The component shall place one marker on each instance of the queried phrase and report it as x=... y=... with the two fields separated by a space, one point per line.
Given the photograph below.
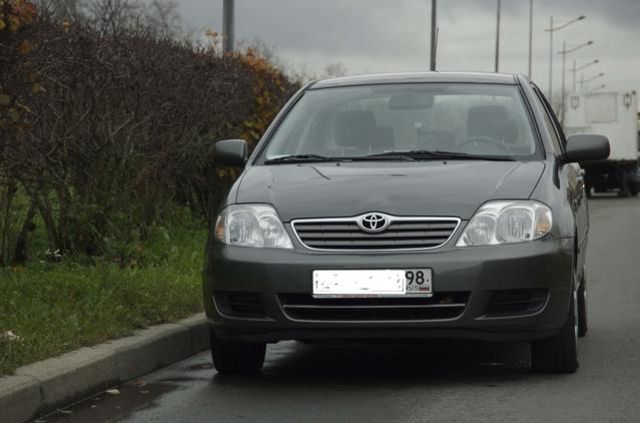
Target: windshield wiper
x=314 y=158
x=408 y=155
x=301 y=158
x=437 y=155
x=391 y=156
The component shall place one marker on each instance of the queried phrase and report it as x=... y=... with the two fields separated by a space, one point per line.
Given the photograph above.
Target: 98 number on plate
x=418 y=282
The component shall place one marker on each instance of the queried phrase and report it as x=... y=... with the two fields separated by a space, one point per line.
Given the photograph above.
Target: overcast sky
x=393 y=35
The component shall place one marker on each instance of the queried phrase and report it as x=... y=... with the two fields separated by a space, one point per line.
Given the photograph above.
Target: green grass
x=59 y=307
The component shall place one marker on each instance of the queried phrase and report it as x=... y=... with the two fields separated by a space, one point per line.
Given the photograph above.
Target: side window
x=550 y=122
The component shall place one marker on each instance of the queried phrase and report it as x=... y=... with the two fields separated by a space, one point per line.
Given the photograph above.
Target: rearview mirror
x=230 y=153
x=586 y=147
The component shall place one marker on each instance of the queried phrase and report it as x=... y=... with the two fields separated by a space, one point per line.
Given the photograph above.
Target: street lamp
x=228 y=26
x=596 y=89
x=434 y=34
x=592 y=78
x=530 y=36
x=564 y=53
x=497 y=61
x=551 y=30
x=583 y=66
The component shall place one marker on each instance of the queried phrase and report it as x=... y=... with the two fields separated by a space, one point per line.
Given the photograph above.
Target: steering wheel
x=486 y=140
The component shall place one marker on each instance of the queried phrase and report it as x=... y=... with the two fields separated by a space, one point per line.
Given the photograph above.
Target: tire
x=625 y=187
x=233 y=358
x=558 y=354
x=633 y=190
x=583 y=321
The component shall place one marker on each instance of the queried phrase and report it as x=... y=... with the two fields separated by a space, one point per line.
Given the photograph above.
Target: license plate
x=372 y=283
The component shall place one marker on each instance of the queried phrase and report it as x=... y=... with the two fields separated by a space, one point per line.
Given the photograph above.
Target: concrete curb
x=44 y=386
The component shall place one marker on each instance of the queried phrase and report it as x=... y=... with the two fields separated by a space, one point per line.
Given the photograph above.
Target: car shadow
x=365 y=364
x=296 y=372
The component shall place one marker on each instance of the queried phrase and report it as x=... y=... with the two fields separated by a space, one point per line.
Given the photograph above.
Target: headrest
x=488 y=121
x=383 y=138
x=509 y=132
x=355 y=129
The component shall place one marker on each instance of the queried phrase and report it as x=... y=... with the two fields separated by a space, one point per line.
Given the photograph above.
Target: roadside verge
x=42 y=387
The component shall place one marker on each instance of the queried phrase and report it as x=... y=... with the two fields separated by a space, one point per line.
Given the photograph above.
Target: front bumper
x=479 y=271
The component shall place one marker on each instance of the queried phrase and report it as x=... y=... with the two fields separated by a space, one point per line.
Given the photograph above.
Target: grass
x=59 y=307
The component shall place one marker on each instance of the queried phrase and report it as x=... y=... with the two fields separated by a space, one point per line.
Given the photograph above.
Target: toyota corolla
x=404 y=206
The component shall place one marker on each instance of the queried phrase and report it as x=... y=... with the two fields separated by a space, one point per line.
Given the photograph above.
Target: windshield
x=360 y=121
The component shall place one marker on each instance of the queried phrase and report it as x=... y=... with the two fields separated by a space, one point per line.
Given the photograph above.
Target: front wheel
x=583 y=325
x=230 y=358
x=558 y=354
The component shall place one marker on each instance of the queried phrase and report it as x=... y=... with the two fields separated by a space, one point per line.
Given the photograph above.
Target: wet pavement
x=445 y=381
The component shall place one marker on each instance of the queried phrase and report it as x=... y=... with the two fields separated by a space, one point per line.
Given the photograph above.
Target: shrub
x=15 y=218
x=122 y=128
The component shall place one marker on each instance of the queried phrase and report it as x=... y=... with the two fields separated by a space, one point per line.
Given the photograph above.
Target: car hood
x=437 y=188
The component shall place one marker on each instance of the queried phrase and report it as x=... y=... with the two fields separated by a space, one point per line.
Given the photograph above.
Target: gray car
x=404 y=206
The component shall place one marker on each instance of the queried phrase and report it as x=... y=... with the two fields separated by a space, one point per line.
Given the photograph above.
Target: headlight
x=251 y=225
x=506 y=222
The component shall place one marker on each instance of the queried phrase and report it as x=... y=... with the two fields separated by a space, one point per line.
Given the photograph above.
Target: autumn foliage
x=15 y=15
x=115 y=131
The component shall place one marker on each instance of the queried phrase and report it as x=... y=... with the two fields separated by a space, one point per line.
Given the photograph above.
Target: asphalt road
x=461 y=382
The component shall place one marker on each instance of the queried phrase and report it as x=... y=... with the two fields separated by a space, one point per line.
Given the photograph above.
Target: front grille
x=444 y=305
x=240 y=304
x=511 y=302
x=402 y=233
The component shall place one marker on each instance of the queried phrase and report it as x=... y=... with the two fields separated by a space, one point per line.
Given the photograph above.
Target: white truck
x=614 y=115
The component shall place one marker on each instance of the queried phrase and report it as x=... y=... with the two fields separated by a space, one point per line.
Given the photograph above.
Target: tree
x=61 y=10
x=335 y=70
x=163 y=19
x=159 y=17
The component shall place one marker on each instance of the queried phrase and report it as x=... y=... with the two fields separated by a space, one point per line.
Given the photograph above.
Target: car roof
x=418 y=77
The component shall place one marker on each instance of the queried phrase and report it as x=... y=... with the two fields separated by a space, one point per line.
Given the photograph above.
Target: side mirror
x=230 y=153
x=586 y=147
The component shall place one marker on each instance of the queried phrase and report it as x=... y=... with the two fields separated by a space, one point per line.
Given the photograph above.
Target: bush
x=119 y=129
x=15 y=16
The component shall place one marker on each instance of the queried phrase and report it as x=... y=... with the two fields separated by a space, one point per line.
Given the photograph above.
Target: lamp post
x=434 y=39
x=551 y=30
x=228 y=25
x=497 y=64
x=530 y=36
x=564 y=53
x=584 y=81
x=575 y=69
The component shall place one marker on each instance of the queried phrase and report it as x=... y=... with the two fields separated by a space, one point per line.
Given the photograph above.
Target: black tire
x=558 y=354
x=633 y=190
x=233 y=358
x=583 y=321
x=625 y=187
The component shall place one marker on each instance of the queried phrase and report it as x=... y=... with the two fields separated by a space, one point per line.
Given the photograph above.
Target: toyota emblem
x=373 y=222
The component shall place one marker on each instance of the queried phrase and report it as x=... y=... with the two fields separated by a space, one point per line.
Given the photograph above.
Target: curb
x=42 y=387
